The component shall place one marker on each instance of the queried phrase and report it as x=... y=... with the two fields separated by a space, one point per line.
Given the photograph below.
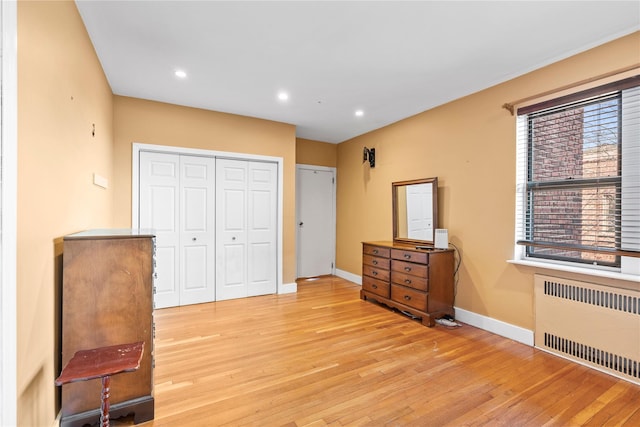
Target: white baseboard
x=498 y=327
x=288 y=288
x=349 y=276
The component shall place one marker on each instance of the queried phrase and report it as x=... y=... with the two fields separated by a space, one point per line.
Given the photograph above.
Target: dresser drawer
x=409 y=297
x=376 y=251
x=375 y=286
x=415 y=282
x=420 y=270
x=376 y=273
x=376 y=262
x=419 y=257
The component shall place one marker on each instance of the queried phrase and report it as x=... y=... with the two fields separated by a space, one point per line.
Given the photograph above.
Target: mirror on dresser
x=415 y=210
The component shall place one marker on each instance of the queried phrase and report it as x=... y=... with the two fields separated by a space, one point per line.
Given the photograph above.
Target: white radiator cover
x=594 y=325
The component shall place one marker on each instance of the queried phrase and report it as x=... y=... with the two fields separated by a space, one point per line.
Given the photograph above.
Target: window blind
x=630 y=206
x=579 y=178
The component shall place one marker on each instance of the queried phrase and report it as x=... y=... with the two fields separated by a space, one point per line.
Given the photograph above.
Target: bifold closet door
x=197 y=229
x=177 y=202
x=246 y=228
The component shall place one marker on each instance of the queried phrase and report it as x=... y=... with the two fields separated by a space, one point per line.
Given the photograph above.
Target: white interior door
x=231 y=229
x=197 y=229
x=262 y=227
x=315 y=197
x=246 y=210
x=159 y=211
x=177 y=202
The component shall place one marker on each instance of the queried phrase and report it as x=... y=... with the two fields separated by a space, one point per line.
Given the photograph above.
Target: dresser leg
x=428 y=321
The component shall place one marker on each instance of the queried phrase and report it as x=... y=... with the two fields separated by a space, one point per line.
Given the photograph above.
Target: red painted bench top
x=100 y=362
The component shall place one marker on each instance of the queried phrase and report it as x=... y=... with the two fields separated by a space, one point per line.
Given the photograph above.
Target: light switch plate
x=100 y=181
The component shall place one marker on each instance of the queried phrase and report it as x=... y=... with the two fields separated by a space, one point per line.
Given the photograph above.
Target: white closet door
x=231 y=229
x=261 y=228
x=159 y=210
x=197 y=229
x=177 y=202
x=246 y=196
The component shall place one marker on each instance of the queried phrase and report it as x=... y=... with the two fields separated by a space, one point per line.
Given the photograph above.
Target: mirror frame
x=394 y=196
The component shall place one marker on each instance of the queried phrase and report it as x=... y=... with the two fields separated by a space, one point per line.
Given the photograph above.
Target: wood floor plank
x=324 y=357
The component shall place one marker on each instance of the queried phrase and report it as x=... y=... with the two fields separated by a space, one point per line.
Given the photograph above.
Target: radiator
x=594 y=325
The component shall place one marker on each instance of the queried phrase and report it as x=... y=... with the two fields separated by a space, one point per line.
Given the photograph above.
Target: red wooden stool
x=102 y=363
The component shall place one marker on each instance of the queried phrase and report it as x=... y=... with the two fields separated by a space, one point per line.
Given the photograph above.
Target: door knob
x=233 y=238
x=194 y=239
x=301 y=223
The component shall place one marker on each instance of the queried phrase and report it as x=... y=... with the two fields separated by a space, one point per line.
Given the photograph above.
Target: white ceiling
x=391 y=59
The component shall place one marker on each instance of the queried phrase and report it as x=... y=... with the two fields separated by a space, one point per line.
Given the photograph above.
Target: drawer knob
x=407 y=256
x=374 y=286
x=374 y=262
x=407 y=269
x=375 y=251
x=375 y=273
x=407 y=281
x=407 y=297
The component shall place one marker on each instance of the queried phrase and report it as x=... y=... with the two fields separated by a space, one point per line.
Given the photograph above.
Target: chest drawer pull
x=374 y=262
x=407 y=256
x=375 y=273
x=407 y=281
x=407 y=269
x=407 y=297
x=374 y=286
x=375 y=251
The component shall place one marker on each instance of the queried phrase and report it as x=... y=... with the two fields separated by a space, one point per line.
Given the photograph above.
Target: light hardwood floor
x=323 y=357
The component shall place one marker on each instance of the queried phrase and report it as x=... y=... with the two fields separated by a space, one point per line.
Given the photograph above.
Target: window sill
x=584 y=271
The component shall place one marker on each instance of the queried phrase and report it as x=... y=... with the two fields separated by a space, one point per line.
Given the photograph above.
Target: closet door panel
x=246 y=215
x=262 y=228
x=197 y=229
x=177 y=202
x=159 y=211
x=234 y=220
x=235 y=267
x=261 y=269
x=231 y=233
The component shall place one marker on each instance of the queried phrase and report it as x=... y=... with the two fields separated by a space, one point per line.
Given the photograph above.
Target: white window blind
x=578 y=189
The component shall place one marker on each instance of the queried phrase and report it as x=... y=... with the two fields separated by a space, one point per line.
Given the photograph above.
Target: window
x=578 y=198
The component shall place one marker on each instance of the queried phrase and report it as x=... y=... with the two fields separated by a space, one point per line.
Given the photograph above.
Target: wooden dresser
x=107 y=299
x=415 y=281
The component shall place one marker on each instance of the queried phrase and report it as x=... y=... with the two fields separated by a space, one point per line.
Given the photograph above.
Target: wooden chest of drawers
x=415 y=281
x=107 y=299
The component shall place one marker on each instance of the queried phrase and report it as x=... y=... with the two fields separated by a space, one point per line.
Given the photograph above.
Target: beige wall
x=62 y=92
x=157 y=123
x=469 y=145
x=316 y=153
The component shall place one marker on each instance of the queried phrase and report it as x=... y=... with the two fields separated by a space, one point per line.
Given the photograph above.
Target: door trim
x=135 y=190
x=333 y=212
x=8 y=208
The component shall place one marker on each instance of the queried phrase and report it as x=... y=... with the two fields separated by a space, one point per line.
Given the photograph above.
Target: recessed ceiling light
x=283 y=96
x=359 y=113
x=181 y=74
